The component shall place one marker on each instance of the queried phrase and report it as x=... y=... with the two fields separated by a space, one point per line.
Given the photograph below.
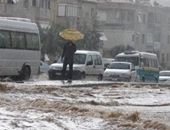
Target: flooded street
x=51 y=105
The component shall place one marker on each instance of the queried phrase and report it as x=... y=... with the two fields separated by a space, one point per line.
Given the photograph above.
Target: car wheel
x=129 y=80
x=51 y=75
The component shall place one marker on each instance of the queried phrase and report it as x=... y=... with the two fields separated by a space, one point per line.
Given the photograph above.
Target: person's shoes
x=69 y=81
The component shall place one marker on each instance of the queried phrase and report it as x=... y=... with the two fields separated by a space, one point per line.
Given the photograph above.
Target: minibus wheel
x=25 y=74
x=143 y=79
x=15 y=78
x=156 y=80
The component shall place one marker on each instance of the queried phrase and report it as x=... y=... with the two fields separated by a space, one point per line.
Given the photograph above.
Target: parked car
x=107 y=61
x=44 y=67
x=120 y=71
x=86 y=63
x=164 y=76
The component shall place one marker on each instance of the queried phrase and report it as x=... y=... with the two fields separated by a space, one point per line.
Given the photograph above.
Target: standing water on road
x=50 y=105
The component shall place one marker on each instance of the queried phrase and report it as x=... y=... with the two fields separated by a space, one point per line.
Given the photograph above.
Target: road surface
x=43 y=104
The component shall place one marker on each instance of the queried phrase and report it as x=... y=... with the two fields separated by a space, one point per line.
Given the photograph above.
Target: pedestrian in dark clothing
x=67 y=57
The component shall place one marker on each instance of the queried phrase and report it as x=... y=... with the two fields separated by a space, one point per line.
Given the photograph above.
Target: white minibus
x=19 y=48
x=146 y=64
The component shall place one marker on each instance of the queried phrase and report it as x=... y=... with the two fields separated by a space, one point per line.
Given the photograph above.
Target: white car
x=164 y=76
x=120 y=71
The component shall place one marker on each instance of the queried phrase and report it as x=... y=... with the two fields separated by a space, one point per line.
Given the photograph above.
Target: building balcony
x=126 y=26
x=153 y=26
x=33 y=13
x=153 y=46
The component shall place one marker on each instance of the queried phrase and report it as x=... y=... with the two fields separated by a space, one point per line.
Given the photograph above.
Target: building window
x=149 y=38
x=123 y=15
x=34 y=3
x=150 y=17
x=144 y=18
x=68 y=10
x=25 y=3
x=101 y=15
x=163 y=59
x=168 y=39
x=167 y=57
x=157 y=37
x=118 y=15
x=41 y=2
x=10 y=2
x=158 y=18
x=87 y=16
x=133 y=38
x=130 y=16
x=143 y=38
x=137 y=40
x=44 y=4
x=93 y=12
x=48 y=6
x=168 y=20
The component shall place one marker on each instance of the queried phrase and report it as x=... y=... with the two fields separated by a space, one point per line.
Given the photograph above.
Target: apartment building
x=143 y=26
x=126 y=22
x=36 y=10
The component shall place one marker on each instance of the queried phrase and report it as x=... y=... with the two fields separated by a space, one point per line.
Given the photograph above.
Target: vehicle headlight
x=106 y=74
x=55 y=68
x=52 y=67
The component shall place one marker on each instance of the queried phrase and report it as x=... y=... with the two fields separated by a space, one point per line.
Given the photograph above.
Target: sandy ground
x=46 y=105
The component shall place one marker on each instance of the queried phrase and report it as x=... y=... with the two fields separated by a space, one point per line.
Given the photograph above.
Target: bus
x=19 y=48
x=146 y=64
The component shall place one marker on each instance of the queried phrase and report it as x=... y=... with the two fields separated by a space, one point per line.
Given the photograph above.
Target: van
x=86 y=63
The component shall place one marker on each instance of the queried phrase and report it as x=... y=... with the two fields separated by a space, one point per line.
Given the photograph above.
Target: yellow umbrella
x=71 y=34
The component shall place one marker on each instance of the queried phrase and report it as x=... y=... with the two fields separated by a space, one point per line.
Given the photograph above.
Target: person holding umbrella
x=69 y=49
x=67 y=57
